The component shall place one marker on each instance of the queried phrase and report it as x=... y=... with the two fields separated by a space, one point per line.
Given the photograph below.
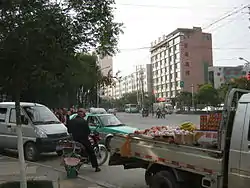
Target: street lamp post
x=246 y=65
x=246 y=68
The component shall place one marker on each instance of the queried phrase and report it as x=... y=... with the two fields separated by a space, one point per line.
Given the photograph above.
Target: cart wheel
x=59 y=153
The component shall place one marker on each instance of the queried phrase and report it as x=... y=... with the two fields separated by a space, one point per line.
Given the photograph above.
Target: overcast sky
x=146 y=20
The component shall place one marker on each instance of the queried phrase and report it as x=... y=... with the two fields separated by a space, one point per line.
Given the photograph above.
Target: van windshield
x=41 y=115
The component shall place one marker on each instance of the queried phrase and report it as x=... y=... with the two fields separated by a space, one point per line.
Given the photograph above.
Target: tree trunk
x=23 y=182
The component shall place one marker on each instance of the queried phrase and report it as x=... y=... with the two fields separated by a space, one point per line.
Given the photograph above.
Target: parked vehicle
x=169 y=109
x=41 y=129
x=112 y=111
x=181 y=166
x=131 y=108
x=107 y=125
x=97 y=111
x=74 y=154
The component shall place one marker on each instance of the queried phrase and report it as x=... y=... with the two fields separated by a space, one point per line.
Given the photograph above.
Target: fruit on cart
x=187 y=126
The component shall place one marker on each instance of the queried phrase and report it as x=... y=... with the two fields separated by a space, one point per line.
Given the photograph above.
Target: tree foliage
x=208 y=95
x=40 y=41
x=184 y=98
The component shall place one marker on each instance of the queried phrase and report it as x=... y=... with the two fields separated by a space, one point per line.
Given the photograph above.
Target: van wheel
x=31 y=152
x=164 y=179
x=148 y=177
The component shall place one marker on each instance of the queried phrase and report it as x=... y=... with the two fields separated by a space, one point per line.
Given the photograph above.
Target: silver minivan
x=41 y=129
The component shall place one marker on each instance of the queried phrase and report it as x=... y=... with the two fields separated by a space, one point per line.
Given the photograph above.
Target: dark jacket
x=79 y=129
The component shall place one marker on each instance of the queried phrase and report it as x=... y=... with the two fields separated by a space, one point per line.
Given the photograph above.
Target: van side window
x=13 y=115
x=3 y=112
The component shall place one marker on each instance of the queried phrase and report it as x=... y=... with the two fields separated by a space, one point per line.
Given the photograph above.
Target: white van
x=41 y=129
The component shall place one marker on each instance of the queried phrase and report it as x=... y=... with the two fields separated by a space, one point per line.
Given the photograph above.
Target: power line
x=226 y=16
x=170 y=7
x=197 y=47
x=226 y=23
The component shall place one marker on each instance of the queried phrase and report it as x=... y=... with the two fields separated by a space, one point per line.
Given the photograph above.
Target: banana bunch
x=187 y=126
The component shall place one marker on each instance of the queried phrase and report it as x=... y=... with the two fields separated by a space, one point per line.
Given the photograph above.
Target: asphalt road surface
x=116 y=175
x=136 y=120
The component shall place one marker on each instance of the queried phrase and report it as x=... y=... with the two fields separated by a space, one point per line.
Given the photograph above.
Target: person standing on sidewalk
x=80 y=131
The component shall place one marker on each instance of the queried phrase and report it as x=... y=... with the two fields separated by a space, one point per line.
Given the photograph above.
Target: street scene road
x=116 y=175
x=136 y=120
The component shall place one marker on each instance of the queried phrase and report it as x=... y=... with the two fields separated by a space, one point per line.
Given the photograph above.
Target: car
x=97 y=111
x=112 y=111
x=107 y=125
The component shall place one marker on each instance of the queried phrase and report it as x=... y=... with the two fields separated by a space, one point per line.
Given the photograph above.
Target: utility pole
x=137 y=84
x=142 y=85
x=192 y=96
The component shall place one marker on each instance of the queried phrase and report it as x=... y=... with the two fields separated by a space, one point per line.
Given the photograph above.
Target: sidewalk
x=9 y=171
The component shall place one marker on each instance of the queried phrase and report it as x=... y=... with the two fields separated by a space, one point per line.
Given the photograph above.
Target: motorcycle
x=144 y=113
x=74 y=154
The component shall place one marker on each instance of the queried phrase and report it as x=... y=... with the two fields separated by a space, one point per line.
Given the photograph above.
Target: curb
x=100 y=183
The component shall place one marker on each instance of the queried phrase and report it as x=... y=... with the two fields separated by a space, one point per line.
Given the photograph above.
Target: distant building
x=138 y=81
x=180 y=61
x=219 y=75
x=106 y=65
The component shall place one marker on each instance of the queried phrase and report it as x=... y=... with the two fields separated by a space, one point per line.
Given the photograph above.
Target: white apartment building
x=138 y=81
x=180 y=61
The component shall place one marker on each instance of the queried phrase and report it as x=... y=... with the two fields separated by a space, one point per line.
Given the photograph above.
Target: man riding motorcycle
x=80 y=131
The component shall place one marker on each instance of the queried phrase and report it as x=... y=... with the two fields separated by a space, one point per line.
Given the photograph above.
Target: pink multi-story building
x=180 y=61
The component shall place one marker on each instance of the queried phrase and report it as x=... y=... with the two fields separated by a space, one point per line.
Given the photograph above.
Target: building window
x=187 y=64
x=186 y=54
x=187 y=73
x=176 y=74
x=218 y=74
x=185 y=45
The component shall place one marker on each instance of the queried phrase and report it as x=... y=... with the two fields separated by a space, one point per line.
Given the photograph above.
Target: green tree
x=184 y=98
x=208 y=95
x=39 y=39
x=130 y=98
